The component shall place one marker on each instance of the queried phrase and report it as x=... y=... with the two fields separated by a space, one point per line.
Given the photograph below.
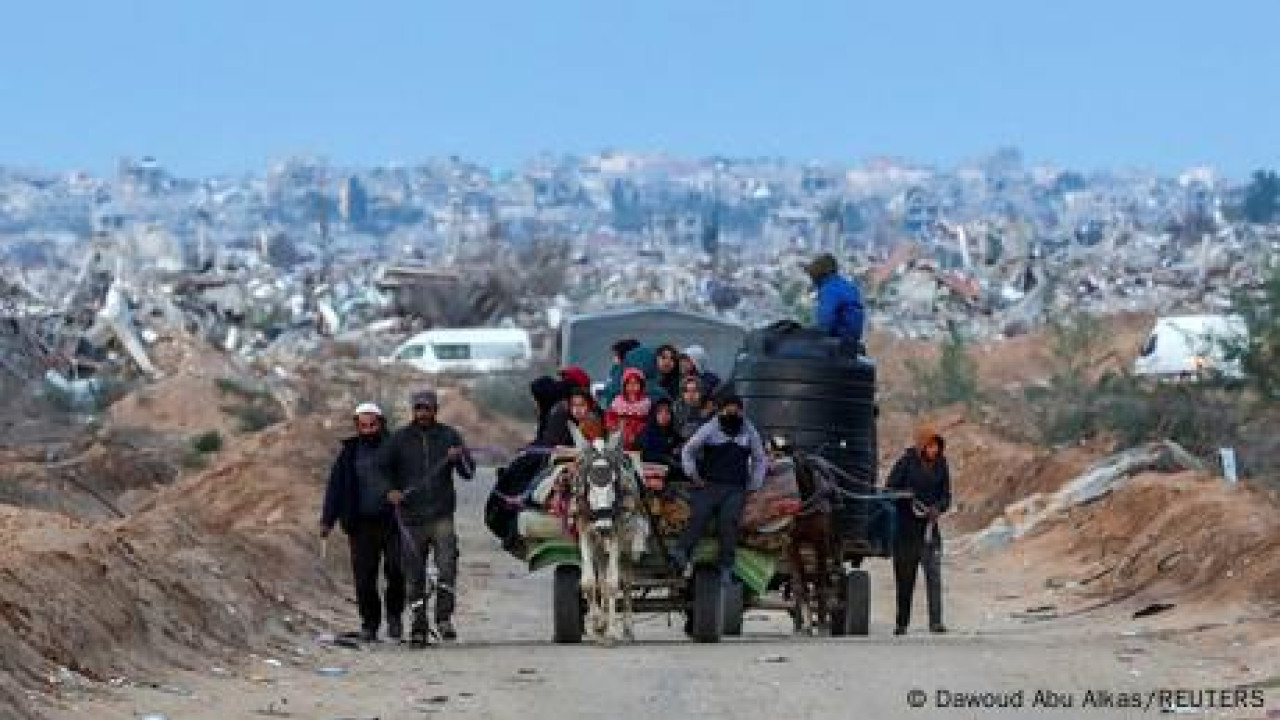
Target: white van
x=1190 y=346
x=466 y=351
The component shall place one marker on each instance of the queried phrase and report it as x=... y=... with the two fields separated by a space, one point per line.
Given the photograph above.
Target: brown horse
x=811 y=530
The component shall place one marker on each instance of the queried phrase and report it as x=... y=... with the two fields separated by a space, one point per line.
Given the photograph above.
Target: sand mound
x=219 y=561
x=1182 y=536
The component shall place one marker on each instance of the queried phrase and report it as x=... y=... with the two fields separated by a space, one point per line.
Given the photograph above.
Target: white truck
x=1194 y=346
x=466 y=351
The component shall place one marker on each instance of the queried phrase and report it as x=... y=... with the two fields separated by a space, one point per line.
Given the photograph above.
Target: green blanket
x=755 y=569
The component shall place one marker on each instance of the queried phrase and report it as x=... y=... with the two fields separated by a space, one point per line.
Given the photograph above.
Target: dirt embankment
x=1178 y=537
x=222 y=560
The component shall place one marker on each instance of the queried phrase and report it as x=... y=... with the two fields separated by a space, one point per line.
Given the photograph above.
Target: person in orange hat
x=922 y=470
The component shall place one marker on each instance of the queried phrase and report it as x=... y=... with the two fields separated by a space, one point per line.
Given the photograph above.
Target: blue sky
x=214 y=87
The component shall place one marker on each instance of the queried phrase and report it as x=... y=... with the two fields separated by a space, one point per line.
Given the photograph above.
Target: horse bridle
x=600 y=470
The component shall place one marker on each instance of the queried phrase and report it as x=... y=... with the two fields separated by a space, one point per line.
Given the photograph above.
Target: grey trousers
x=432 y=537
x=908 y=556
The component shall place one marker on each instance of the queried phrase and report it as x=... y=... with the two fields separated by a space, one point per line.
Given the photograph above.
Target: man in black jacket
x=923 y=471
x=356 y=499
x=419 y=462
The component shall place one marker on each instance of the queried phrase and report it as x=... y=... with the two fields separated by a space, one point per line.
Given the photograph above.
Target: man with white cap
x=419 y=462
x=356 y=499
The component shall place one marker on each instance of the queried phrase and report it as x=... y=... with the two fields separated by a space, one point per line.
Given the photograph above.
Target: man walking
x=724 y=459
x=419 y=462
x=923 y=471
x=356 y=498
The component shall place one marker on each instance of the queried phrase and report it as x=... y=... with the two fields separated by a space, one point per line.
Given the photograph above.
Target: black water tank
x=816 y=391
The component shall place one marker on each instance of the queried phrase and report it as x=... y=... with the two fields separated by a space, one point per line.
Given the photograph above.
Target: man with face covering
x=724 y=459
x=356 y=499
x=419 y=462
x=923 y=470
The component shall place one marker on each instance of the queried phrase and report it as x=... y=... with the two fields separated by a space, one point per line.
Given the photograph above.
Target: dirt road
x=505 y=667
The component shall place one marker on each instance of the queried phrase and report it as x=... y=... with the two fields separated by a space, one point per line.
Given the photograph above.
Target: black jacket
x=409 y=455
x=342 y=494
x=930 y=484
x=660 y=445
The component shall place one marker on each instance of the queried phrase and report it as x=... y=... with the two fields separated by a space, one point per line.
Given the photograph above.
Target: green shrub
x=253 y=417
x=207 y=442
x=951 y=379
x=241 y=388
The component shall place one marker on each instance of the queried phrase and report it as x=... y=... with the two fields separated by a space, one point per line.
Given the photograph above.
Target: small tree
x=954 y=379
x=1260 y=355
x=1262 y=198
x=1066 y=407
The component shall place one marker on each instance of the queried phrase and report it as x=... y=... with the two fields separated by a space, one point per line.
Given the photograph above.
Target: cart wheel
x=735 y=606
x=708 y=605
x=852 y=615
x=567 y=618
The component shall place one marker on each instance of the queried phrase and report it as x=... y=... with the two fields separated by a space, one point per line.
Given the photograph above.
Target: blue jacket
x=839 y=309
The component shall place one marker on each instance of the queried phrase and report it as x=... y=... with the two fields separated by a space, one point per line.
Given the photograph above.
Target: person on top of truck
x=839 y=311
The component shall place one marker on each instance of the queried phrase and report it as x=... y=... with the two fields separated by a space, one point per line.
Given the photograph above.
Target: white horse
x=607 y=513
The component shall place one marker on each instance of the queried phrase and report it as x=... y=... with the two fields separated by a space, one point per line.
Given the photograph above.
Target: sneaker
x=445 y=628
x=900 y=630
x=369 y=635
x=938 y=628
x=395 y=628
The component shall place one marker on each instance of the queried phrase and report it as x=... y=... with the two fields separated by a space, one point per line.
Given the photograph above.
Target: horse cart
x=813 y=400
x=621 y=552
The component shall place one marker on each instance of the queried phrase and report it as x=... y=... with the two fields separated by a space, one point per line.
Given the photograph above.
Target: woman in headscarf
x=691 y=410
x=662 y=439
x=667 y=363
x=585 y=414
x=547 y=393
x=620 y=350
x=694 y=362
x=923 y=471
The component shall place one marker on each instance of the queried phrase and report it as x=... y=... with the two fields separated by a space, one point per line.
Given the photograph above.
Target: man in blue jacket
x=356 y=499
x=839 y=311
